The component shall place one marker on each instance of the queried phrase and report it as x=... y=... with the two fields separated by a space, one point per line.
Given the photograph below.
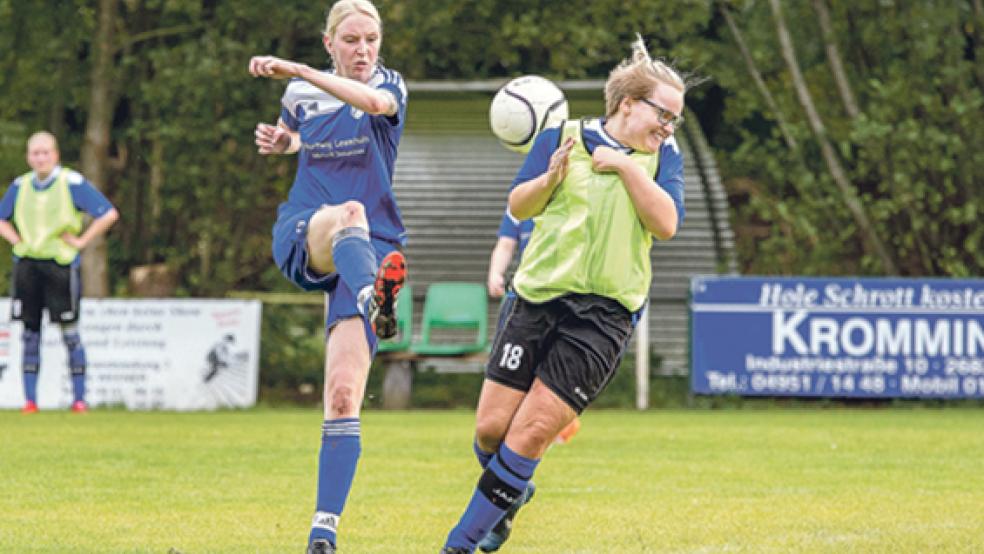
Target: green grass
x=676 y=481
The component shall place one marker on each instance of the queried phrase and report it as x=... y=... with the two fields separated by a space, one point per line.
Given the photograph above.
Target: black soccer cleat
x=389 y=280
x=500 y=533
x=449 y=550
x=321 y=546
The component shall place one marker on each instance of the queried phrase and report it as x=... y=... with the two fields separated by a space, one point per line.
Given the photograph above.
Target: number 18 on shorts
x=573 y=344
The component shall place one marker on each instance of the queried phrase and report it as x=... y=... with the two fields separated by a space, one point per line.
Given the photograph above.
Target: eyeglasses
x=665 y=116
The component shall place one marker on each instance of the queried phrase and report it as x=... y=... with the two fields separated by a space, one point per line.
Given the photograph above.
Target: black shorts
x=572 y=343
x=39 y=284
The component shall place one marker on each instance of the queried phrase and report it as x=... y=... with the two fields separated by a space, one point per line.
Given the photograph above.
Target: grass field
x=665 y=481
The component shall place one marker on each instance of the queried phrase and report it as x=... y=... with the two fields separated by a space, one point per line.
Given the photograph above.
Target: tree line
x=848 y=133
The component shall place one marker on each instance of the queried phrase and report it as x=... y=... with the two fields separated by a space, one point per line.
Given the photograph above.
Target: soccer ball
x=522 y=108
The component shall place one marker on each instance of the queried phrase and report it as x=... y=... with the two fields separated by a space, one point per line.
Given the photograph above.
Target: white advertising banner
x=154 y=354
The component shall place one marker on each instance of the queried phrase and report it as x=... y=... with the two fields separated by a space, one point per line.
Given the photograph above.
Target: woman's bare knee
x=489 y=433
x=497 y=406
x=353 y=214
x=323 y=225
x=542 y=415
x=537 y=434
x=342 y=400
x=328 y=220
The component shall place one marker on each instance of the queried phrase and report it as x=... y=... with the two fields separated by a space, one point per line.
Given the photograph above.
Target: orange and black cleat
x=389 y=280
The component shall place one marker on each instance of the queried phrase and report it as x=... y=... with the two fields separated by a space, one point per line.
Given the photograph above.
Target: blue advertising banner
x=865 y=338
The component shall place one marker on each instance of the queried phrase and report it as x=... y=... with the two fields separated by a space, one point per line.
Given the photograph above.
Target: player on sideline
x=599 y=190
x=340 y=230
x=41 y=216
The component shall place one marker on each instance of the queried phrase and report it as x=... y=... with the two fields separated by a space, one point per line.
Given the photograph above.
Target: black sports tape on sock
x=499 y=493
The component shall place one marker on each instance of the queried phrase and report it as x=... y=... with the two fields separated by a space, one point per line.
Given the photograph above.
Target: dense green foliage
x=916 y=71
x=667 y=481
x=194 y=194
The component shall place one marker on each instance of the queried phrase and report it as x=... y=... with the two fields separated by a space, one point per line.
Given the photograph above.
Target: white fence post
x=642 y=360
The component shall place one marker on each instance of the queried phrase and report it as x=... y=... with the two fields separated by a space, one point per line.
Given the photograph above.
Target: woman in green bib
x=41 y=217
x=599 y=190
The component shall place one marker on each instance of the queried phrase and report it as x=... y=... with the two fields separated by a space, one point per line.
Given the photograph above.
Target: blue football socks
x=501 y=485
x=31 y=362
x=31 y=385
x=355 y=260
x=340 y=449
x=78 y=386
x=76 y=360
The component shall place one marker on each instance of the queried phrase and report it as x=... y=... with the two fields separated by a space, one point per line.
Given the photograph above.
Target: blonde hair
x=344 y=8
x=43 y=135
x=637 y=77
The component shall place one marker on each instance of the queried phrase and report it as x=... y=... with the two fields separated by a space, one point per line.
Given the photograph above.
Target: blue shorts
x=291 y=256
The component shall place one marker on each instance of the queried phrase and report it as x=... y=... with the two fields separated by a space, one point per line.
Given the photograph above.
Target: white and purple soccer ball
x=522 y=108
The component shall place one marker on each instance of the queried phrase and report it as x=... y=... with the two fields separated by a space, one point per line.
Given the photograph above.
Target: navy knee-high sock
x=355 y=260
x=31 y=363
x=76 y=360
x=340 y=449
x=501 y=485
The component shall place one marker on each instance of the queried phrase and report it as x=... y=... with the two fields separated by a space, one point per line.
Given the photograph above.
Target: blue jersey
x=346 y=154
x=669 y=176
x=517 y=230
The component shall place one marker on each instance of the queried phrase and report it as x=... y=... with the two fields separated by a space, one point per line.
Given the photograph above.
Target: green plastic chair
x=454 y=306
x=404 y=323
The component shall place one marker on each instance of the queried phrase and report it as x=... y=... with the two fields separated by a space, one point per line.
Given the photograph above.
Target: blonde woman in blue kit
x=340 y=231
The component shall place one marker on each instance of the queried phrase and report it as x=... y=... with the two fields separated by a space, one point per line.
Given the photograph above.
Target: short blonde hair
x=637 y=77
x=344 y=8
x=43 y=135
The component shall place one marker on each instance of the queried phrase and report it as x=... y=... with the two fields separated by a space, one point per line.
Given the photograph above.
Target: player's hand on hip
x=606 y=159
x=271 y=139
x=559 y=163
x=273 y=67
x=72 y=240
